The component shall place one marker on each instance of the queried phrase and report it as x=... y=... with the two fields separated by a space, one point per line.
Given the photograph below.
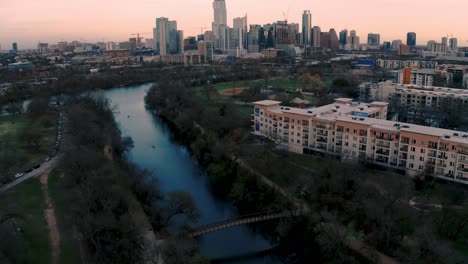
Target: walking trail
x=54 y=235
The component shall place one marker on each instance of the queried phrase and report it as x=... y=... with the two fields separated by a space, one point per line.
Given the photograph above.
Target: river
x=176 y=170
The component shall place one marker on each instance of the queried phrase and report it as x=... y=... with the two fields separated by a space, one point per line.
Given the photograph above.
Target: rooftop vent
x=362 y=119
x=288 y=108
x=456 y=134
x=310 y=112
x=396 y=125
x=447 y=136
x=405 y=126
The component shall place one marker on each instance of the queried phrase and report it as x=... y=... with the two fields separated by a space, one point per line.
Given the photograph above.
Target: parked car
x=37 y=166
x=47 y=159
x=7 y=180
x=28 y=171
x=19 y=174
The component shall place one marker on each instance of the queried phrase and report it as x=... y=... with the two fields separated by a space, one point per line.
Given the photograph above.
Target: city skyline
x=53 y=20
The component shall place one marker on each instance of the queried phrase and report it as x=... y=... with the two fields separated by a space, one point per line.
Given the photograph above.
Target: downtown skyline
x=52 y=20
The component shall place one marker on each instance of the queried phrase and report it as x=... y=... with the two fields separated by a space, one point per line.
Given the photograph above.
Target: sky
x=31 y=21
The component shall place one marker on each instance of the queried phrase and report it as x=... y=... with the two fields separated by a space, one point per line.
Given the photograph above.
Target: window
x=421 y=159
x=298 y=134
x=347 y=130
x=413 y=141
x=411 y=157
x=355 y=131
x=411 y=165
x=298 y=142
x=413 y=149
x=421 y=167
x=354 y=138
x=423 y=151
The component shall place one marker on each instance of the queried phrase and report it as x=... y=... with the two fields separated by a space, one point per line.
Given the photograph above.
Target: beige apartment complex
x=360 y=132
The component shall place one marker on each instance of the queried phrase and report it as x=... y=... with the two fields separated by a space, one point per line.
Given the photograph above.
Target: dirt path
x=49 y=212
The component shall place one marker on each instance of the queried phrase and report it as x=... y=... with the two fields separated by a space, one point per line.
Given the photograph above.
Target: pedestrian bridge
x=245 y=219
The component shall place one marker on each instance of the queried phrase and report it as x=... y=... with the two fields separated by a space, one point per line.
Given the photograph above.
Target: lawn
x=285 y=84
x=16 y=153
x=69 y=246
x=27 y=200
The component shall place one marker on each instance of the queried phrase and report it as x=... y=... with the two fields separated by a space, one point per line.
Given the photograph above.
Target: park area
x=25 y=141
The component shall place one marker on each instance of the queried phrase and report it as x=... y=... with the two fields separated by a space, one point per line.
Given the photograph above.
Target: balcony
x=443 y=148
x=432 y=154
x=383 y=152
x=463 y=169
x=339 y=130
x=405 y=141
x=339 y=144
x=463 y=151
x=322 y=140
x=404 y=149
x=363 y=141
x=320 y=126
x=442 y=157
x=441 y=165
x=383 y=144
x=433 y=146
x=463 y=161
x=322 y=133
x=384 y=138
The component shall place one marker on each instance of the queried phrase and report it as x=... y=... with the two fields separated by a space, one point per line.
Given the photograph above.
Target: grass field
x=27 y=200
x=69 y=247
x=16 y=154
x=287 y=85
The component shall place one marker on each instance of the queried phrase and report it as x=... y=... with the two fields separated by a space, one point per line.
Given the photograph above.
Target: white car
x=17 y=175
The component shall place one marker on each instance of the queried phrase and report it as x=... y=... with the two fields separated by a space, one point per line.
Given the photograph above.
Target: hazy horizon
x=29 y=22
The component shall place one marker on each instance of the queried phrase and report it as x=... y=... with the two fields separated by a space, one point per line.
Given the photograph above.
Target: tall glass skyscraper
x=220 y=20
x=411 y=39
x=307 y=28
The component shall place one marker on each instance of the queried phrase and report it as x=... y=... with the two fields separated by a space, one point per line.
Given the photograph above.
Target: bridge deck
x=243 y=220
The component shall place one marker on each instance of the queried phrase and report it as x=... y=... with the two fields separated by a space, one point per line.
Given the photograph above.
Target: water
x=176 y=170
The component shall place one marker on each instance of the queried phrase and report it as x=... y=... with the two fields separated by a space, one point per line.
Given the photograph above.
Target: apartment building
x=360 y=132
x=412 y=95
x=399 y=64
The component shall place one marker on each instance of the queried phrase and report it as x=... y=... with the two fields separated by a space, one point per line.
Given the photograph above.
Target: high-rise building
x=411 y=39
x=307 y=28
x=42 y=47
x=373 y=39
x=316 y=33
x=396 y=44
x=454 y=44
x=445 y=41
x=334 y=41
x=14 y=47
x=241 y=24
x=255 y=38
x=168 y=40
x=431 y=45
x=353 y=40
x=343 y=37
x=219 y=25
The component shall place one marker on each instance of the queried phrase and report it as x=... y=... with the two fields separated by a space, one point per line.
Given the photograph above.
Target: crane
x=140 y=38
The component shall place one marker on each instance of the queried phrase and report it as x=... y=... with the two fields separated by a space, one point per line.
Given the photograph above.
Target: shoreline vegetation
x=116 y=207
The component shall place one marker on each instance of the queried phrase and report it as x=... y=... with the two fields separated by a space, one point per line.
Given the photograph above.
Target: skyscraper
x=343 y=37
x=353 y=40
x=220 y=21
x=454 y=44
x=240 y=23
x=166 y=37
x=255 y=38
x=307 y=28
x=411 y=39
x=14 y=47
x=373 y=39
x=316 y=32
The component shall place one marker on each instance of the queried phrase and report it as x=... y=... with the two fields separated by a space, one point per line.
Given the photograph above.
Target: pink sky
x=31 y=21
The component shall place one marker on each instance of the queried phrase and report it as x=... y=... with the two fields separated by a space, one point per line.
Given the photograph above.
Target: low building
x=21 y=66
x=360 y=132
x=119 y=53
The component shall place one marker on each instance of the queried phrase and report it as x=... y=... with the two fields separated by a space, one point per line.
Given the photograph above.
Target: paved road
x=45 y=167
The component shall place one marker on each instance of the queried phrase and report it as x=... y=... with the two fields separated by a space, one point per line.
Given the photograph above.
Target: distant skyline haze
x=30 y=21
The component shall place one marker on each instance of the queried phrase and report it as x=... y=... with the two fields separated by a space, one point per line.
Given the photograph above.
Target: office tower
x=255 y=38
x=431 y=45
x=454 y=44
x=269 y=33
x=201 y=46
x=42 y=47
x=219 y=24
x=353 y=40
x=200 y=37
x=235 y=39
x=334 y=41
x=396 y=44
x=343 y=37
x=411 y=39
x=387 y=45
x=167 y=38
x=241 y=23
x=316 y=32
x=190 y=43
x=373 y=39
x=14 y=47
x=444 y=41
x=307 y=28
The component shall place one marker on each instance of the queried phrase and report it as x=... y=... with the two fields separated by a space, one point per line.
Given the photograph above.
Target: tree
x=14 y=108
x=38 y=106
x=311 y=83
x=180 y=203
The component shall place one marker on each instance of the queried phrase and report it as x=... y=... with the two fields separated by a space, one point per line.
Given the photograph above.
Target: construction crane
x=139 y=44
